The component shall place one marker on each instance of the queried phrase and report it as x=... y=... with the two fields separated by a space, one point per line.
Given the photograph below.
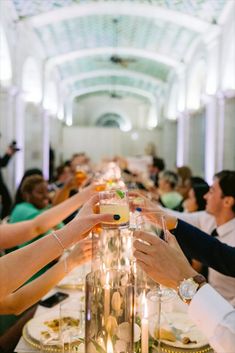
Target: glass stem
x=159 y=322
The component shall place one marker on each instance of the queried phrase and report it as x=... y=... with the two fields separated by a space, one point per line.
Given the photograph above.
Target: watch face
x=187 y=289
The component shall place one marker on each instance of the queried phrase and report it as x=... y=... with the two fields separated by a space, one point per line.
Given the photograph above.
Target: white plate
x=37 y=325
x=182 y=322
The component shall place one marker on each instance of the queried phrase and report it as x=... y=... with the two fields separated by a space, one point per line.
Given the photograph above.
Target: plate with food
x=47 y=328
x=177 y=330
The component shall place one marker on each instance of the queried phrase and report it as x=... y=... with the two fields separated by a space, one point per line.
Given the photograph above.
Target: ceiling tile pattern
x=161 y=38
x=205 y=9
x=129 y=32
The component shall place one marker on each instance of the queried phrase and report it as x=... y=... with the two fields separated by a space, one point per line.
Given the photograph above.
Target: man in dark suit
x=220 y=213
x=205 y=248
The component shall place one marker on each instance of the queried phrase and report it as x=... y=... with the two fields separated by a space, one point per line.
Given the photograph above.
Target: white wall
x=88 y=110
x=100 y=142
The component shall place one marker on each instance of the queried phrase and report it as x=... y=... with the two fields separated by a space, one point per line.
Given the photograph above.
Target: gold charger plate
x=33 y=328
x=170 y=349
x=34 y=343
x=181 y=321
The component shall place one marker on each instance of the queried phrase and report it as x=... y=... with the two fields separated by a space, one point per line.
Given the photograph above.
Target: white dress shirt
x=224 y=285
x=201 y=219
x=215 y=317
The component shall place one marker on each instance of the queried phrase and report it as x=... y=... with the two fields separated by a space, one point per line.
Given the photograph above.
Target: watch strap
x=199 y=279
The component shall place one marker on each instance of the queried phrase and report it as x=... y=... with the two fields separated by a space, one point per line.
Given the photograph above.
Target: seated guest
x=26 y=259
x=18 y=233
x=184 y=174
x=155 y=168
x=168 y=196
x=63 y=174
x=218 y=220
x=196 y=202
x=64 y=183
x=35 y=194
x=29 y=172
x=15 y=298
x=165 y=263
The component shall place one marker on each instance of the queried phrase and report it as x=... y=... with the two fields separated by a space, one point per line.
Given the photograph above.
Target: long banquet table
x=24 y=347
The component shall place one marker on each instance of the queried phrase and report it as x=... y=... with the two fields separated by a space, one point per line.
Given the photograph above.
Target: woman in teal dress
x=35 y=194
x=36 y=200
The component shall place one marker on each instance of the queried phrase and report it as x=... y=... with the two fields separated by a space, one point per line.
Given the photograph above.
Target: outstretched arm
x=26 y=296
x=4 y=160
x=198 y=244
x=165 y=263
x=31 y=258
x=18 y=233
x=203 y=247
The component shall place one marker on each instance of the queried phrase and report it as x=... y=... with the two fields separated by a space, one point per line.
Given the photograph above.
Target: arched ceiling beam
x=109 y=88
x=140 y=53
x=103 y=88
x=117 y=8
x=116 y=73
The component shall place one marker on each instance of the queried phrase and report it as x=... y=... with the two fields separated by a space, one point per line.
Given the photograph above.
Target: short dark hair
x=158 y=163
x=227 y=183
x=200 y=188
x=30 y=182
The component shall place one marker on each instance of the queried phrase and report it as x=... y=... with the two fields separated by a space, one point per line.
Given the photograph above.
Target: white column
x=46 y=143
x=182 y=139
x=20 y=136
x=210 y=139
x=220 y=144
x=182 y=121
x=6 y=114
x=7 y=131
x=213 y=68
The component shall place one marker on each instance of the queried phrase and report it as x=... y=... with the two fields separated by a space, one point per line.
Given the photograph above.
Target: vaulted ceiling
x=97 y=45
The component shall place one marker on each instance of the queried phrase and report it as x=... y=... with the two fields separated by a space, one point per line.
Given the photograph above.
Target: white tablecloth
x=24 y=347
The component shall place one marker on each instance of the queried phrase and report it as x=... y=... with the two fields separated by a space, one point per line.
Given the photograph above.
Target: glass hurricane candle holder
x=109 y=312
x=112 y=249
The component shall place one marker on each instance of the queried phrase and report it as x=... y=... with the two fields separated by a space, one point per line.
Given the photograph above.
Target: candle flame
x=109 y=346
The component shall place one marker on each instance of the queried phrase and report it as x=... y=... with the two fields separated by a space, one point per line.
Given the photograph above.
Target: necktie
x=214 y=233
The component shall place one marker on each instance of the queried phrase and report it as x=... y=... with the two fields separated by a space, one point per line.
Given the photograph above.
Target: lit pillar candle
x=109 y=346
x=106 y=297
x=144 y=327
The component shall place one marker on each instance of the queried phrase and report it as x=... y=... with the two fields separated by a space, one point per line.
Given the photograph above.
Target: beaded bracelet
x=64 y=249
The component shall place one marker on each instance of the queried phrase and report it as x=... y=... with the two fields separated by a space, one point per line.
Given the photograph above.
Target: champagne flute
x=155 y=223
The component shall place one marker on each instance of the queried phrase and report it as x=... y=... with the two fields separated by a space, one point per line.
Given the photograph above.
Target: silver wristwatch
x=188 y=287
